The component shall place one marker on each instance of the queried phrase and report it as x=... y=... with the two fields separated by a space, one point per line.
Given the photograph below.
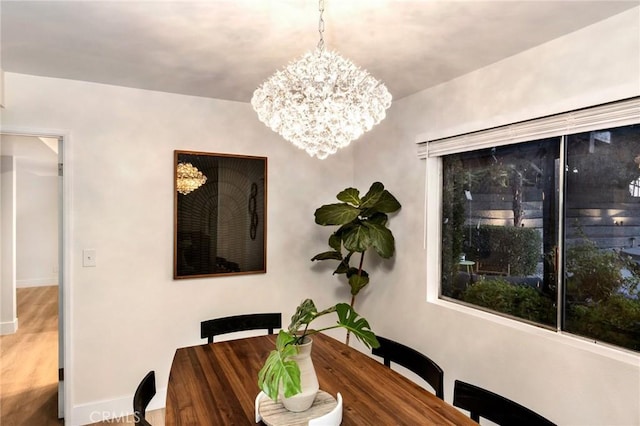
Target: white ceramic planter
x=308 y=380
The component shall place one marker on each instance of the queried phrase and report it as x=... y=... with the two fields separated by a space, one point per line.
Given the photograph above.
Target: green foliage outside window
x=453 y=210
x=615 y=320
x=592 y=274
x=517 y=300
x=602 y=302
x=505 y=247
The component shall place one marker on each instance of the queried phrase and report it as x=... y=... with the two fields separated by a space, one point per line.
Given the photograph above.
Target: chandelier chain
x=321 y=26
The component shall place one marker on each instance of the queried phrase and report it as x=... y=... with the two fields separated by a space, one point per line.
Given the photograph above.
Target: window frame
x=615 y=114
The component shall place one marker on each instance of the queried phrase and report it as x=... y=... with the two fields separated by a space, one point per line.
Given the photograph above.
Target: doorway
x=32 y=285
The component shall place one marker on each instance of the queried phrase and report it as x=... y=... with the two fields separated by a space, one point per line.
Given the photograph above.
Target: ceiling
x=225 y=48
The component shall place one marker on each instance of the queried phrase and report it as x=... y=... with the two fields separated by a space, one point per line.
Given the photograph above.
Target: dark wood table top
x=216 y=384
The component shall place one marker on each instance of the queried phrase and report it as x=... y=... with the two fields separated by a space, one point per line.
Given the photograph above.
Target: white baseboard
x=36 y=282
x=9 y=327
x=114 y=409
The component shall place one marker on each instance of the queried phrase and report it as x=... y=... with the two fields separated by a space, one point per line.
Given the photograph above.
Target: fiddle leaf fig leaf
x=381 y=239
x=357 y=238
x=328 y=255
x=372 y=196
x=335 y=242
x=358 y=282
x=379 y=218
x=336 y=214
x=343 y=267
x=354 y=323
x=280 y=369
x=352 y=271
x=387 y=203
x=351 y=196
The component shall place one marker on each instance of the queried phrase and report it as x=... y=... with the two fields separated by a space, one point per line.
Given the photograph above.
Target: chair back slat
x=214 y=327
x=144 y=393
x=415 y=361
x=491 y=406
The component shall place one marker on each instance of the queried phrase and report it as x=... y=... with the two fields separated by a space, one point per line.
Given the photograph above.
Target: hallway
x=29 y=361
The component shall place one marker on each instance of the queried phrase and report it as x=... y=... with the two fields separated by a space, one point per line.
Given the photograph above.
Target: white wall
x=570 y=381
x=37 y=226
x=128 y=316
x=8 y=310
x=1 y=88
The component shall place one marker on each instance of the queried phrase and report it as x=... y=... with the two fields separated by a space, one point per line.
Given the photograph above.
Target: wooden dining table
x=216 y=384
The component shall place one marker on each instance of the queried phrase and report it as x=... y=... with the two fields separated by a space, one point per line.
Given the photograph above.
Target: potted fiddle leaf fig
x=362 y=225
x=288 y=371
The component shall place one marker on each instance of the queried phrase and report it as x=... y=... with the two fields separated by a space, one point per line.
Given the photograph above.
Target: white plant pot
x=308 y=380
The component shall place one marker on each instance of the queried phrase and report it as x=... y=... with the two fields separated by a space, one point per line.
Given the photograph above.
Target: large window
x=602 y=236
x=500 y=230
x=547 y=231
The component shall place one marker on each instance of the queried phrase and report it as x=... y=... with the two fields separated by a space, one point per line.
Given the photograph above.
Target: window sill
x=558 y=337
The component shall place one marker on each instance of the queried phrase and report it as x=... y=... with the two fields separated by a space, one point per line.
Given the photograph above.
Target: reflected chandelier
x=188 y=178
x=322 y=101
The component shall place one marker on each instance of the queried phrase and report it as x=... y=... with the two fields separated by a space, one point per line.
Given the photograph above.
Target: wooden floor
x=29 y=361
x=29 y=365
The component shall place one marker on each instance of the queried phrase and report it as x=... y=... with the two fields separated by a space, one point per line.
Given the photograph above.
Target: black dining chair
x=491 y=406
x=144 y=393
x=213 y=327
x=415 y=361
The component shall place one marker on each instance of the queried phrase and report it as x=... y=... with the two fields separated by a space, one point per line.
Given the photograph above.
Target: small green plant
x=280 y=370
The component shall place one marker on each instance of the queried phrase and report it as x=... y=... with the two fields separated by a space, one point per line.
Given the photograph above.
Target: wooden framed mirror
x=220 y=209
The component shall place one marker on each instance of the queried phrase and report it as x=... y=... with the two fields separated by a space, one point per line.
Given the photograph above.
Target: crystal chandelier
x=188 y=178
x=322 y=101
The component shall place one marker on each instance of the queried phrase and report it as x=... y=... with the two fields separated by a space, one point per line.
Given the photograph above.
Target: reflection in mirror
x=220 y=214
